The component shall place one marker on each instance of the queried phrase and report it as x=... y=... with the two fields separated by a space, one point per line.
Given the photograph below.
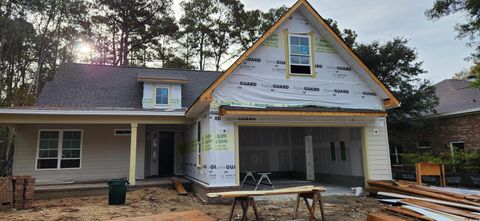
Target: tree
x=349 y=36
x=397 y=66
x=133 y=26
x=176 y=62
x=467 y=74
x=255 y=22
x=470 y=28
x=197 y=24
x=472 y=74
x=58 y=24
x=226 y=28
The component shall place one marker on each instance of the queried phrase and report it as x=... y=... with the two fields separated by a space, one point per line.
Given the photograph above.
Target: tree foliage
x=397 y=66
x=469 y=29
x=126 y=29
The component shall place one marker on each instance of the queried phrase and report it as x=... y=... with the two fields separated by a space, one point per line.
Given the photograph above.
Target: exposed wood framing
x=224 y=112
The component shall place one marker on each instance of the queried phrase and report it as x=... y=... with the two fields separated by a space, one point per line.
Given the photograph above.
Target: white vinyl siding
x=378 y=153
x=104 y=156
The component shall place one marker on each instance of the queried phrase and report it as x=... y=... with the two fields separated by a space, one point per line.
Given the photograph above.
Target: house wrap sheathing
x=262 y=91
x=298 y=103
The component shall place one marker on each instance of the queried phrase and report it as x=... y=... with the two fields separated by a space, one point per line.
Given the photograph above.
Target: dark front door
x=166 y=144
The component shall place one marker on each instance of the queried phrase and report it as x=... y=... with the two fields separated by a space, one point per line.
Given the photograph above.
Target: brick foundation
x=6 y=193
x=16 y=192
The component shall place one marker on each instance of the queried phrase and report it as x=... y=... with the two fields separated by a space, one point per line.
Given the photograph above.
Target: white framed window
x=59 y=149
x=199 y=144
x=122 y=132
x=300 y=58
x=161 y=95
x=457 y=145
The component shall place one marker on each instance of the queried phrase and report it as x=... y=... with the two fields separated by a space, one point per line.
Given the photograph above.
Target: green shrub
x=468 y=161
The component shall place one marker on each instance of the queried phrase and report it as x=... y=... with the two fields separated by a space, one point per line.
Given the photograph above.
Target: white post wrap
x=133 y=153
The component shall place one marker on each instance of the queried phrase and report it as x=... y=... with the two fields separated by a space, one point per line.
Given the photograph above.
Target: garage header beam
x=225 y=112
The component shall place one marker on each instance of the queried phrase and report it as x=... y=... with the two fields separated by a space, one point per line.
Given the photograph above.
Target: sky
x=381 y=20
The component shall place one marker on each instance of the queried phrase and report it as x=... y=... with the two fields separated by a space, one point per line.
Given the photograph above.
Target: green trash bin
x=117 y=191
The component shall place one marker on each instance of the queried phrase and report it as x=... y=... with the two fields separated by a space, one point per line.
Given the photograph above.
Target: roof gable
x=303 y=7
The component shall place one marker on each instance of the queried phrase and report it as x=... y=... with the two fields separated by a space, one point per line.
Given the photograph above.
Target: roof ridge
x=139 y=67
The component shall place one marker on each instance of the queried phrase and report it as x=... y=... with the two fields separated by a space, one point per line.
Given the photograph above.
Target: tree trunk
x=114 y=46
x=201 y=52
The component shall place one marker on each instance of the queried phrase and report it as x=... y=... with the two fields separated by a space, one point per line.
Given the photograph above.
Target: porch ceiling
x=89 y=119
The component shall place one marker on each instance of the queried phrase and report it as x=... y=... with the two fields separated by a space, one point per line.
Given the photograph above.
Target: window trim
x=423 y=146
x=198 y=152
x=155 y=96
x=451 y=143
x=60 y=148
x=122 y=135
x=309 y=36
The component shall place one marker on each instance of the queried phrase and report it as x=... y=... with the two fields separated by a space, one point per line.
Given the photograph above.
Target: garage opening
x=301 y=155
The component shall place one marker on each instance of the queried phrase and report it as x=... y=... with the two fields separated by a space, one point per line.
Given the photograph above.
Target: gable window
x=300 y=54
x=59 y=149
x=161 y=95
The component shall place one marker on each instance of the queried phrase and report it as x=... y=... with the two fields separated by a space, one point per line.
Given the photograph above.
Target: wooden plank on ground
x=430 y=214
x=382 y=217
x=447 y=203
x=441 y=208
x=179 y=186
x=408 y=190
x=406 y=212
x=193 y=215
x=452 y=194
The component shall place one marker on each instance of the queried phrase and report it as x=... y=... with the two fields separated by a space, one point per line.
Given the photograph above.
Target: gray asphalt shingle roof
x=99 y=86
x=456 y=95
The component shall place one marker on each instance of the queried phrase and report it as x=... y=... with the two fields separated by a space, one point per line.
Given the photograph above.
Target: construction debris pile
x=408 y=200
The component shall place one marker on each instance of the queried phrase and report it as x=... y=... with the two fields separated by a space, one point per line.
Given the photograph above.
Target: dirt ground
x=151 y=201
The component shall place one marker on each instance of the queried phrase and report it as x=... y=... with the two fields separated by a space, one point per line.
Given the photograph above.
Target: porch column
x=133 y=153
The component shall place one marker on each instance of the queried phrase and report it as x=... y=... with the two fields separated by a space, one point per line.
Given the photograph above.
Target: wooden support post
x=316 y=198
x=133 y=153
x=245 y=202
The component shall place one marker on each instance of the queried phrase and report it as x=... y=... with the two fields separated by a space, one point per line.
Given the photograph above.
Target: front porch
x=102 y=150
x=99 y=188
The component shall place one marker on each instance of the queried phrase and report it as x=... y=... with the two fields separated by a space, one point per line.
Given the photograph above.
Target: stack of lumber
x=412 y=201
x=292 y=190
